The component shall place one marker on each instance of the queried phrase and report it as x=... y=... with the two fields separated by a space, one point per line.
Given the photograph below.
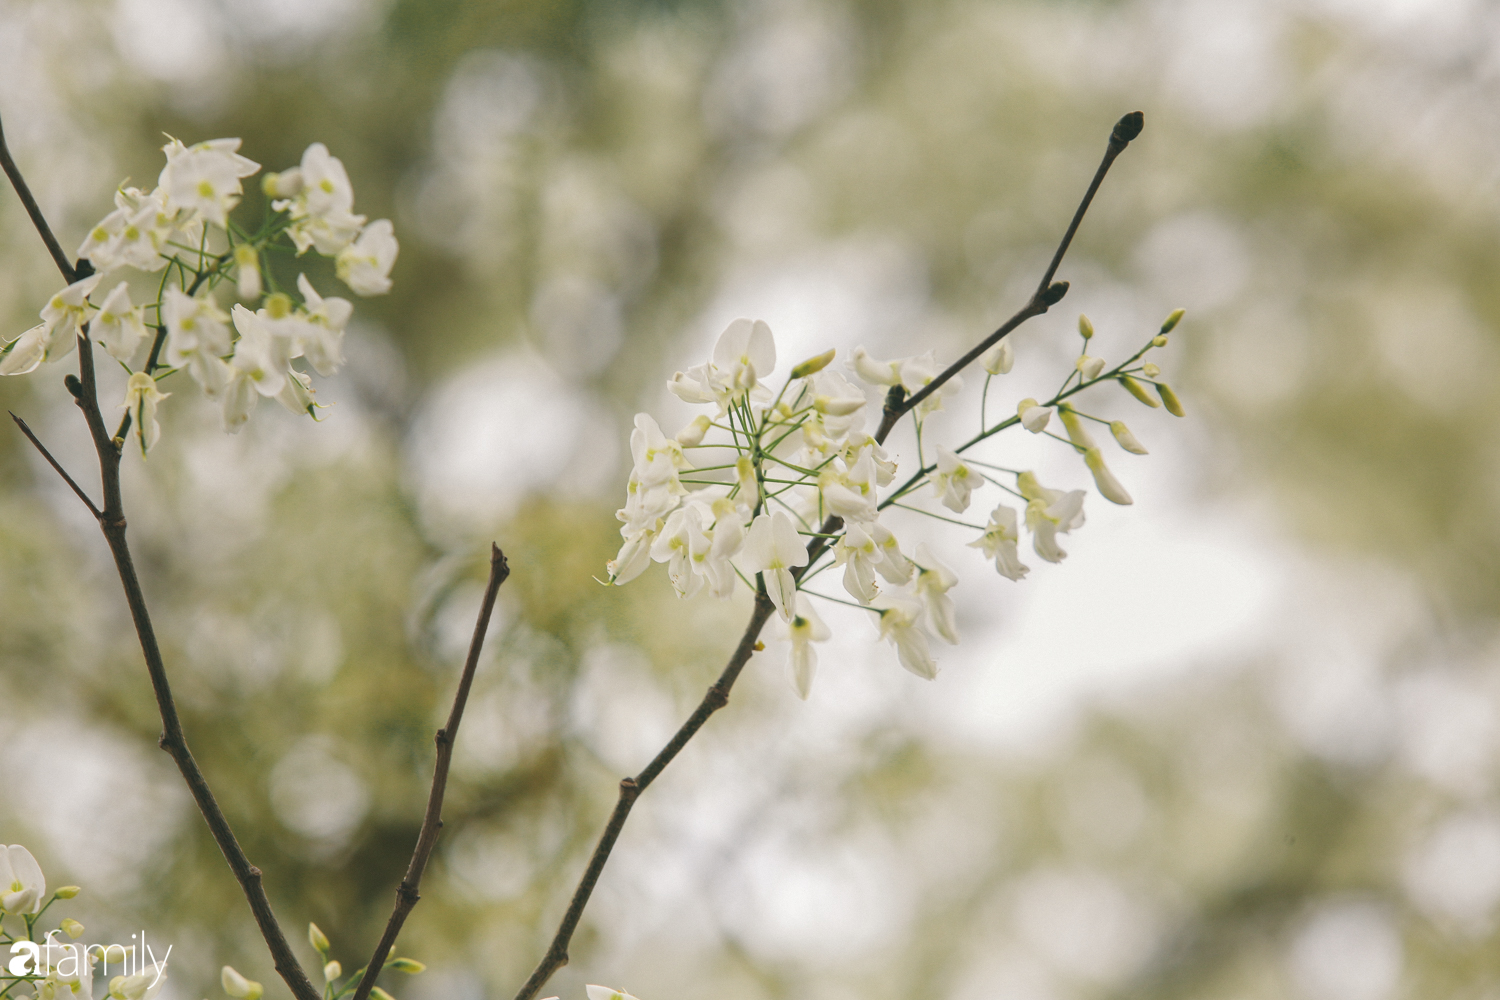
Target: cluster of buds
x=53 y=965
x=335 y=983
x=184 y=230
x=791 y=485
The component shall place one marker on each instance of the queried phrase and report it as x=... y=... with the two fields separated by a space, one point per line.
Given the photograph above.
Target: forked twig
x=54 y=463
x=1047 y=294
x=432 y=822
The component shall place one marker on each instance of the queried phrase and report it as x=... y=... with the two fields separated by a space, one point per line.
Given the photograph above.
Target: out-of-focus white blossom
x=1000 y=359
x=933 y=582
x=1033 y=417
x=22 y=884
x=1109 y=486
x=319 y=198
x=999 y=543
x=1126 y=439
x=365 y=265
x=954 y=481
x=118 y=324
x=204 y=178
x=774 y=548
x=804 y=629
x=899 y=624
x=141 y=399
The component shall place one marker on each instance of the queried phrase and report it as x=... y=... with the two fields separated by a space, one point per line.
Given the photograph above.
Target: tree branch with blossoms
x=795 y=478
x=183 y=230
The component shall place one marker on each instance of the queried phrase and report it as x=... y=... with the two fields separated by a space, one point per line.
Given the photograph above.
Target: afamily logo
x=73 y=960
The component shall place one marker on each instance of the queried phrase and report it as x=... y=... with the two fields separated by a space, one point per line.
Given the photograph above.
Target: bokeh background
x=1242 y=744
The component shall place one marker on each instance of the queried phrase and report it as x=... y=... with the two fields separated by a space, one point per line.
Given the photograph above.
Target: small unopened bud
x=1160 y=340
x=1000 y=359
x=283 y=185
x=72 y=927
x=1172 y=320
x=1138 y=391
x=1109 y=486
x=410 y=966
x=237 y=985
x=380 y=994
x=692 y=435
x=1169 y=399
x=1054 y=293
x=318 y=939
x=1150 y=370
x=744 y=474
x=811 y=365
x=1033 y=417
x=278 y=305
x=1077 y=433
x=247 y=264
x=332 y=971
x=1085 y=328
x=1125 y=438
x=841 y=407
x=68 y=892
x=1090 y=368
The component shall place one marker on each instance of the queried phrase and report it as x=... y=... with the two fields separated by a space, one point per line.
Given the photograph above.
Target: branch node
x=1127 y=128
x=441 y=738
x=254 y=873
x=1054 y=293
x=74 y=387
x=82 y=269
x=716 y=698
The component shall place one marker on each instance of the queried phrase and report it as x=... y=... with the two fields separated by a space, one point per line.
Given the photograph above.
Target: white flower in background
x=933 y=582
x=238 y=986
x=747 y=483
x=1049 y=513
x=773 y=547
x=22 y=884
x=873 y=371
x=917 y=371
x=1000 y=359
x=1109 y=486
x=25 y=353
x=835 y=396
x=730 y=519
x=204 y=177
x=247 y=272
x=804 y=629
x=320 y=200
x=849 y=493
x=898 y=624
x=297 y=394
x=62 y=320
x=365 y=265
x=135 y=233
x=141 y=399
x=196 y=329
x=1089 y=367
x=633 y=558
x=683 y=546
x=999 y=543
x=657 y=457
x=954 y=481
x=1033 y=417
x=118 y=324
x=894 y=566
x=605 y=993
x=320 y=334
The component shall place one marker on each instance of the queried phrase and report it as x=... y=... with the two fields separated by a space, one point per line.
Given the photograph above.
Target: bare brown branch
x=55 y=465
x=32 y=209
x=407 y=894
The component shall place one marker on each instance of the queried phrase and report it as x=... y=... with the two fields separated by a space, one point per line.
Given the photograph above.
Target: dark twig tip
x=1127 y=128
x=74 y=387
x=1054 y=293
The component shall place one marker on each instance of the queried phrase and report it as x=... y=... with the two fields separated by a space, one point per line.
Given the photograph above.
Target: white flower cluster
x=183 y=228
x=57 y=969
x=793 y=486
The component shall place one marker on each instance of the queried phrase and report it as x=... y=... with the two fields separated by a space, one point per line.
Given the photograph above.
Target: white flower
x=773 y=547
x=62 y=319
x=297 y=394
x=835 y=396
x=633 y=558
x=320 y=334
x=692 y=435
x=247 y=272
x=365 y=265
x=1108 y=485
x=657 y=457
x=744 y=354
x=195 y=326
x=204 y=178
x=954 y=481
x=118 y=325
x=605 y=993
x=320 y=200
x=23 y=354
x=999 y=360
x=1048 y=514
x=917 y=371
x=683 y=546
x=261 y=366
x=747 y=483
x=934 y=580
x=804 y=629
x=894 y=566
x=728 y=537
x=999 y=543
x=22 y=884
x=1126 y=439
x=898 y=625
x=885 y=469
x=237 y=985
x=849 y=493
x=873 y=371
x=141 y=398
x=1089 y=367
x=1033 y=417
x=857 y=552
x=134 y=234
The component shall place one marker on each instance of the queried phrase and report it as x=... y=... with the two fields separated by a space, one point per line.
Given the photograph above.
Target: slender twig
x=432 y=822
x=54 y=463
x=897 y=404
x=35 y=211
x=1048 y=293
x=112 y=521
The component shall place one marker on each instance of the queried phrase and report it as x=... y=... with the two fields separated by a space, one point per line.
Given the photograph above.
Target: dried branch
x=33 y=210
x=898 y=404
x=112 y=521
x=432 y=822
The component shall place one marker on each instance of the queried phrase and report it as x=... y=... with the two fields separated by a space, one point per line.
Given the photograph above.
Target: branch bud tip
x=1128 y=128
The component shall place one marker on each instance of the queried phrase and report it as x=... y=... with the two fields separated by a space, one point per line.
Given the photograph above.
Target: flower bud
x=692 y=435
x=68 y=892
x=1169 y=399
x=1125 y=438
x=815 y=364
x=1077 y=433
x=749 y=483
x=1160 y=340
x=318 y=939
x=247 y=264
x=1138 y=391
x=998 y=360
x=1172 y=320
x=237 y=985
x=837 y=407
x=1090 y=367
x=380 y=994
x=278 y=305
x=1033 y=417
x=410 y=966
x=332 y=971
x=1109 y=486
x=1150 y=370
x=287 y=184
x=72 y=927
x=1085 y=328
